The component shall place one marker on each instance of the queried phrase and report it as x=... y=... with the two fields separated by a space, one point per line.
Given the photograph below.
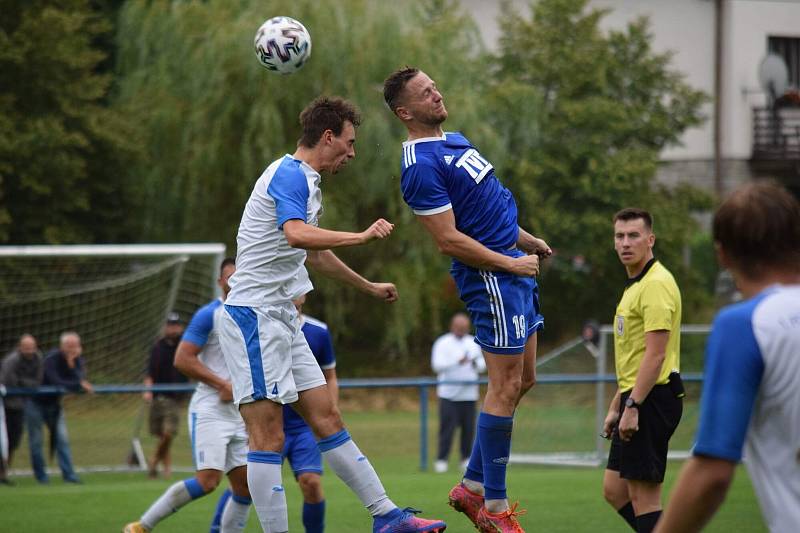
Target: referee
x=647 y=406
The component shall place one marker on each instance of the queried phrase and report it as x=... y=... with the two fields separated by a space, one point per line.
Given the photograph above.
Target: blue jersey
x=319 y=340
x=442 y=173
x=751 y=398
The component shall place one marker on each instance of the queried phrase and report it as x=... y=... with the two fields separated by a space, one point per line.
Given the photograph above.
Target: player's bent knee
x=209 y=479
x=311 y=487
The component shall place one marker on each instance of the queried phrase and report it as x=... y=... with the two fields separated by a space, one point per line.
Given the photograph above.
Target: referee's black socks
x=626 y=512
x=645 y=523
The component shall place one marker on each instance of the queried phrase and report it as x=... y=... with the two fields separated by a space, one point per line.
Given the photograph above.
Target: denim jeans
x=51 y=415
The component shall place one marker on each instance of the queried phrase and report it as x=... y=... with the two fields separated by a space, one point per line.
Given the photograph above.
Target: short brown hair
x=393 y=85
x=758 y=227
x=635 y=213
x=326 y=113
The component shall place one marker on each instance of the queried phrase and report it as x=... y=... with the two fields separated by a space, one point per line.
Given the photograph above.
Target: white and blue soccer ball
x=282 y=45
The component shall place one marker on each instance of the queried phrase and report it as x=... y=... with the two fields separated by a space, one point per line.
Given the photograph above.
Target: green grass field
x=557 y=500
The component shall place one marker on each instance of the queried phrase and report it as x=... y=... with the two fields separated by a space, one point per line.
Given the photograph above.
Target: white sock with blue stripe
x=354 y=469
x=234 y=517
x=266 y=489
x=175 y=497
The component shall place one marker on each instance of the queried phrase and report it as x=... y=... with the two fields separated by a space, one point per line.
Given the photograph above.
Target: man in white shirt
x=456 y=357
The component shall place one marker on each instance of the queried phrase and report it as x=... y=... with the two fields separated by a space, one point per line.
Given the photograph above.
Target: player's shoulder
x=660 y=277
x=313 y=323
x=208 y=309
x=738 y=316
x=433 y=152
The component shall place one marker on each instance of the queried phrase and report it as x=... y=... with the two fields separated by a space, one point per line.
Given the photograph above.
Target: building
x=719 y=45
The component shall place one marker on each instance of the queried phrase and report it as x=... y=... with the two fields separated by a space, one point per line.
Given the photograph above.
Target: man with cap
x=164 y=406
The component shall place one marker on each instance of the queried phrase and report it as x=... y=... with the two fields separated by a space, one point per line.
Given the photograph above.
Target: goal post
x=117 y=298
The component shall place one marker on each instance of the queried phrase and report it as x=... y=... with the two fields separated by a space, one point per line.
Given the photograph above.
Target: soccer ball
x=282 y=45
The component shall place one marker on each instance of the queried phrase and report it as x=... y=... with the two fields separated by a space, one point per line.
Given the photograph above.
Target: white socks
x=234 y=517
x=266 y=489
x=354 y=469
x=175 y=497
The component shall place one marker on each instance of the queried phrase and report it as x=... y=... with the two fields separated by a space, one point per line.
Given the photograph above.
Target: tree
x=61 y=148
x=211 y=119
x=603 y=106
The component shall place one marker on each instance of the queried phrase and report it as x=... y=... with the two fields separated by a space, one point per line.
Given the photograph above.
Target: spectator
x=63 y=367
x=22 y=367
x=164 y=406
x=456 y=357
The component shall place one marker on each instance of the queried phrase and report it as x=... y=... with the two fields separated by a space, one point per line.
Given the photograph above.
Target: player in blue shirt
x=751 y=391
x=456 y=196
x=300 y=446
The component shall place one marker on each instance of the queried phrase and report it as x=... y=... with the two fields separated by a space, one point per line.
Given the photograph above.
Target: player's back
x=268 y=270
x=439 y=173
x=772 y=453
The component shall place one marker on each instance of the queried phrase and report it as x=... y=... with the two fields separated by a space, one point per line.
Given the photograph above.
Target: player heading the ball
x=453 y=190
x=268 y=356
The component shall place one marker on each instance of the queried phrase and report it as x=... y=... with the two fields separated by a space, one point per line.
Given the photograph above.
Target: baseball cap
x=174 y=318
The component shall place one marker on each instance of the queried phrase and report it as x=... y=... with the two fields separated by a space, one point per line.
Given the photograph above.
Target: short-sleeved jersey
x=751 y=398
x=651 y=302
x=268 y=270
x=202 y=333
x=442 y=173
x=319 y=340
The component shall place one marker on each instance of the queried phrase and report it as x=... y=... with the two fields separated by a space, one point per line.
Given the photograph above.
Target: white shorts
x=217 y=443
x=267 y=354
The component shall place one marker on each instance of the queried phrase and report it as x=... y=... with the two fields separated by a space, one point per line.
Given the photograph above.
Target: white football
x=282 y=45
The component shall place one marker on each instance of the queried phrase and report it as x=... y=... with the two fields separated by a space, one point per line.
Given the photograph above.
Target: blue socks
x=494 y=439
x=215 y=522
x=314 y=517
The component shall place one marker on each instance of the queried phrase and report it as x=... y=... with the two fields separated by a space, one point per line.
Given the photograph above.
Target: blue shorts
x=504 y=307
x=300 y=448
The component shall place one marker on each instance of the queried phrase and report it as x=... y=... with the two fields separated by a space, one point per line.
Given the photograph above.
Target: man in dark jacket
x=63 y=367
x=22 y=367
x=164 y=406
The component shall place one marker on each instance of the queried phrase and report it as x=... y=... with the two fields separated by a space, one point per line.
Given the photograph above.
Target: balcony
x=776 y=138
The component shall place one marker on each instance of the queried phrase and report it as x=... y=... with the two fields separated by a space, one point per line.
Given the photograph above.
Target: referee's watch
x=630 y=402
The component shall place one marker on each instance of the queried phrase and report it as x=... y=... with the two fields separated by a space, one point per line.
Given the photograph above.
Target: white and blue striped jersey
x=751 y=398
x=448 y=172
x=202 y=332
x=268 y=270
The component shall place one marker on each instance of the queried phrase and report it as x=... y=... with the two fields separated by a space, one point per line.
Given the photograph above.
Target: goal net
x=117 y=298
x=560 y=420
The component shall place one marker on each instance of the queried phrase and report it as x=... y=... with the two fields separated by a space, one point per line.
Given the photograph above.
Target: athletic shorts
x=504 y=307
x=301 y=450
x=217 y=443
x=164 y=416
x=644 y=457
x=267 y=354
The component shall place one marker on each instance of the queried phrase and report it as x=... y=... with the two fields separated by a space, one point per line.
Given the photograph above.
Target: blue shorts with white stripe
x=504 y=307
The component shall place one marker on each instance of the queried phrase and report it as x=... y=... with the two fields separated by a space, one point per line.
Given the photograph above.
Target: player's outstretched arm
x=442 y=227
x=699 y=492
x=302 y=235
x=532 y=245
x=190 y=365
x=326 y=263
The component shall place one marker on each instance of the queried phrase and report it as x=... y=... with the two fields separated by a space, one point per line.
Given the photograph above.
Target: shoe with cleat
x=406 y=521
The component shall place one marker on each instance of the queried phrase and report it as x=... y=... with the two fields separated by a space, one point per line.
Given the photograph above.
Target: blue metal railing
x=423 y=384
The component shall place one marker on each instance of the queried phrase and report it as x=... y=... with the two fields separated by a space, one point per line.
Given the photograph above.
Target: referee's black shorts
x=644 y=457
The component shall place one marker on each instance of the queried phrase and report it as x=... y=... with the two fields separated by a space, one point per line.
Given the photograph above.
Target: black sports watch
x=630 y=402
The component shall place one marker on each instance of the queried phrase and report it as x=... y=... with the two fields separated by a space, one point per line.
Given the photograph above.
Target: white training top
x=448 y=351
x=751 y=398
x=268 y=270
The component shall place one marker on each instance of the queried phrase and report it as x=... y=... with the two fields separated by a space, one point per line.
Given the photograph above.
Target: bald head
x=459 y=325
x=27 y=345
x=70 y=344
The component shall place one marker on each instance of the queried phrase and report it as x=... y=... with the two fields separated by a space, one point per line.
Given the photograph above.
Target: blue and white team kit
x=447 y=172
x=267 y=354
x=219 y=437
x=751 y=398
